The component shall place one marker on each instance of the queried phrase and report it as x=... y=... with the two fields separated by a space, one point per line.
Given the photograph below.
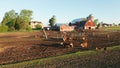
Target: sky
x=65 y=11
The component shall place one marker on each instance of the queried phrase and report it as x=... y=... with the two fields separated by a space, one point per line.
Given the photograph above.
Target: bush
x=11 y=29
x=28 y=28
x=38 y=26
x=3 y=28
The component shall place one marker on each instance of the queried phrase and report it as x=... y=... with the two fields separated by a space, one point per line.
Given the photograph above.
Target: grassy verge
x=112 y=28
x=59 y=61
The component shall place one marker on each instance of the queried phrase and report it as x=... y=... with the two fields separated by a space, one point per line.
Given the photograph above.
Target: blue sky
x=65 y=11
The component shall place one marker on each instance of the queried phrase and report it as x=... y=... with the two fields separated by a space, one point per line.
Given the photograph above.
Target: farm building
x=66 y=28
x=61 y=27
x=34 y=23
x=83 y=23
x=107 y=25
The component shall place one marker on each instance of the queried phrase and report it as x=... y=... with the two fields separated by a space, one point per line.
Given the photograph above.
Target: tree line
x=13 y=21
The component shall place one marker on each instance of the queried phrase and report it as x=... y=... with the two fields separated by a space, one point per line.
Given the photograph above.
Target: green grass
x=112 y=28
x=45 y=61
x=50 y=61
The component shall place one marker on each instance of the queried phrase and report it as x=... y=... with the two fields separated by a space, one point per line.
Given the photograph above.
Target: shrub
x=28 y=28
x=38 y=26
x=11 y=29
x=3 y=28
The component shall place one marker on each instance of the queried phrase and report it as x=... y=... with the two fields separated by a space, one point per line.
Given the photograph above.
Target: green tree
x=8 y=16
x=11 y=25
x=24 y=19
x=52 y=21
x=16 y=21
x=96 y=21
x=4 y=21
x=17 y=24
x=9 y=20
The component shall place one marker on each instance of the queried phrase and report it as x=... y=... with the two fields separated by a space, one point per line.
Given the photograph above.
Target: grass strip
x=50 y=60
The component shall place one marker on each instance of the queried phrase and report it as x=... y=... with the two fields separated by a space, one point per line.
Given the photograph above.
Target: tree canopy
x=16 y=21
x=52 y=21
x=8 y=16
x=24 y=19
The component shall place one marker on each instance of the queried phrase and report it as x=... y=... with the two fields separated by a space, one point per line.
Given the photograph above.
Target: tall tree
x=25 y=18
x=8 y=16
x=16 y=21
x=9 y=19
x=17 y=24
x=11 y=25
x=52 y=21
x=4 y=21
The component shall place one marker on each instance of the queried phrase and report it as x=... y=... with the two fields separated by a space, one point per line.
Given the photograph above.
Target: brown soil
x=16 y=47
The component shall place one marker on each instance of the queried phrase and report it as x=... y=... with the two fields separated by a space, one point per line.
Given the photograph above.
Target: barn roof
x=78 y=20
x=82 y=23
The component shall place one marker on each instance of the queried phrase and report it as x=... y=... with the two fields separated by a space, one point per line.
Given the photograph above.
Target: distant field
x=112 y=28
x=86 y=59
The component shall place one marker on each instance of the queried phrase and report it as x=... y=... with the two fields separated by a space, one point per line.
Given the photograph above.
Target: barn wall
x=66 y=28
x=89 y=25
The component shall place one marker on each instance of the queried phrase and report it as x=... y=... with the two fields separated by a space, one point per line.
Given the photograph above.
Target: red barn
x=83 y=23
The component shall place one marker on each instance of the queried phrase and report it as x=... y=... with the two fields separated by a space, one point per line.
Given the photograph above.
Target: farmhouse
x=83 y=23
x=34 y=23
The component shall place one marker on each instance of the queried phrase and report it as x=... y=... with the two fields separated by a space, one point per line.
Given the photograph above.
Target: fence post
x=45 y=33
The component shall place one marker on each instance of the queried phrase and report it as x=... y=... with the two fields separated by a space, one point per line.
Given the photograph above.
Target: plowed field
x=16 y=47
